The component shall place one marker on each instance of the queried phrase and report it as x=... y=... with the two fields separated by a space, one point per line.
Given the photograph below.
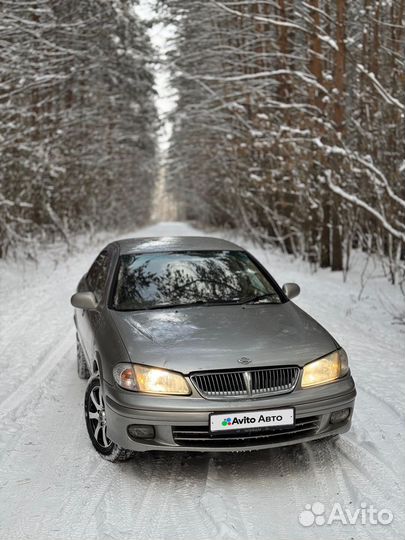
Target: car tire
x=82 y=369
x=96 y=424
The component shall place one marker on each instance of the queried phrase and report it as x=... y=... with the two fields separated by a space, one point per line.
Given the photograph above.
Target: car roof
x=174 y=243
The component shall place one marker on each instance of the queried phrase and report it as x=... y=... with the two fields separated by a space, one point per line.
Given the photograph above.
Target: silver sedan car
x=190 y=344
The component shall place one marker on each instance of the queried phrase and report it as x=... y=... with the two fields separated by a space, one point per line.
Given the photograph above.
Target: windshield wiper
x=196 y=303
x=167 y=305
x=258 y=297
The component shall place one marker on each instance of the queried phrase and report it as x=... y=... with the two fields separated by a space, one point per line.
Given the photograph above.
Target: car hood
x=216 y=337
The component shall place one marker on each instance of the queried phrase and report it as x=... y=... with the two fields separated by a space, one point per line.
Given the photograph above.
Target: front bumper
x=181 y=423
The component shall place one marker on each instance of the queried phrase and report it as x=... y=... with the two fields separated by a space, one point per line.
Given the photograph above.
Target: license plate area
x=251 y=420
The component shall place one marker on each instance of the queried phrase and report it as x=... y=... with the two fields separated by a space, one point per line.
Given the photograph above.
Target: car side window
x=97 y=275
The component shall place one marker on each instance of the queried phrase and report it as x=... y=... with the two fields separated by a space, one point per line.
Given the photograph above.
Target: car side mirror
x=291 y=290
x=84 y=300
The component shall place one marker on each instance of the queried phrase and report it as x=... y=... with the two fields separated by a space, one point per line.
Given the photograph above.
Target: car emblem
x=244 y=360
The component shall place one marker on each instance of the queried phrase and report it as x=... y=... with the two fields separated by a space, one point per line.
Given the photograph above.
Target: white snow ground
x=54 y=486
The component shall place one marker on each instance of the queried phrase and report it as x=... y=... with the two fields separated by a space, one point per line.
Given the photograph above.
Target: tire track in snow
x=333 y=485
x=378 y=479
x=242 y=497
x=266 y=489
x=347 y=476
x=45 y=453
x=361 y=440
x=384 y=402
x=293 y=497
x=33 y=383
x=161 y=473
x=158 y=496
x=328 y=477
x=117 y=520
x=377 y=427
x=367 y=485
x=220 y=505
x=186 y=504
x=86 y=517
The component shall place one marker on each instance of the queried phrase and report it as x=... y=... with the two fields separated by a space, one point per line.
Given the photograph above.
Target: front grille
x=200 y=436
x=246 y=383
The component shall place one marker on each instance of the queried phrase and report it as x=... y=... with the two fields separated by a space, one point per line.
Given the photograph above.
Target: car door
x=89 y=319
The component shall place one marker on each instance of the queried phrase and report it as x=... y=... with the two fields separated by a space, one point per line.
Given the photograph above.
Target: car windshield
x=154 y=280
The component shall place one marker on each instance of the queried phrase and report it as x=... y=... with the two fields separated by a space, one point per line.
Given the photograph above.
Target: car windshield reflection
x=192 y=278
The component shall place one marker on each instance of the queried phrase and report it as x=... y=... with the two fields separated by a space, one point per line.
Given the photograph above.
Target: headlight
x=150 y=380
x=326 y=369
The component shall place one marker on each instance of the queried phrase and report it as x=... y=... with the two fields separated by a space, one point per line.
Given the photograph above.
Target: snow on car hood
x=216 y=337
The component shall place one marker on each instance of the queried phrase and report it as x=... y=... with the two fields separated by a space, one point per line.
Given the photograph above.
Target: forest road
x=53 y=485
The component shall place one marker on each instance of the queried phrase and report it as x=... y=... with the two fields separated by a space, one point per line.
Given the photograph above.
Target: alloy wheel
x=97 y=417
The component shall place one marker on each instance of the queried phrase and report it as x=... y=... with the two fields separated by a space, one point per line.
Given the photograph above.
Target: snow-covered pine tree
x=290 y=123
x=77 y=119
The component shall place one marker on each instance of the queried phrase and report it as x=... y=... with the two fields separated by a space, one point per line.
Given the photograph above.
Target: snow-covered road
x=54 y=486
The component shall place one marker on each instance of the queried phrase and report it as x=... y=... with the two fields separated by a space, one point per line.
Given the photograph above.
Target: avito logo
x=239 y=421
x=250 y=420
x=315 y=514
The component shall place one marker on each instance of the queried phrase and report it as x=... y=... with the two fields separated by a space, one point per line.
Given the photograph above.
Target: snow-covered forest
x=290 y=123
x=77 y=119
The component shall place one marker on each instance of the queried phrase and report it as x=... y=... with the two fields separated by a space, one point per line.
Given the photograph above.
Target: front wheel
x=96 y=423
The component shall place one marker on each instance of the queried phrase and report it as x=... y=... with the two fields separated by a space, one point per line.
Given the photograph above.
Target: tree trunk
x=337 y=252
x=340 y=65
x=339 y=120
x=325 y=236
